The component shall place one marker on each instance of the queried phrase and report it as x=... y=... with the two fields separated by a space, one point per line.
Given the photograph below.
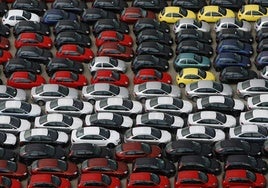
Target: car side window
x=216 y=14
x=256 y=13
x=11 y=18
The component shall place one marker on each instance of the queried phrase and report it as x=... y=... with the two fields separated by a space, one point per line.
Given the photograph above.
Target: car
x=194 y=46
x=233 y=33
x=25 y=80
x=119 y=105
x=190 y=178
x=178 y=148
x=257 y=102
x=254 y=117
x=107 y=166
x=243 y=177
x=149 y=23
x=251 y=87
x=234 y=5
x=4 y=30
x=5 y=55
x=71 y=25
x=11 y=124
x=155 y=5
x=212 y=13
x=4 y=7
x=171 y=14
x=130 y=151
x=11 y=93
x=96 y=135
x=109 y=120
x=91 y=15
x=67 y=106
x=156 y=165
x=212 y=119
x=73 y=6
x=149 y=62
x=34 y=6
x=12 y=169
x=261 y=60
x=12 y=182
x=113 y=36
x=131 y=14
x=235 y=74
x=190 y=23
x=4 y=43
x=49 y=181
x=43 y=135
x=91 y=179
x=259 y=2
x=155 y=48
x=52 y=16
x=202 y=163
x=75 y=52
x=63 y=64
x=115 y=6
x=226 y=23
x=115 y=50
x=149 y=135
x=147 y=179
x=261 y=34
x=193 y=34
x=9 y=140
x=14 y=16
x=262 y=45
x=31 y=26
x=192 y=5
x=204 y=88
x=154 y=35
x=8 y=154
x=251 y=12
x=33 y=39
x=110 y=77
x=192 y=75
x=110 y=24
x=261 y=23
x=149 y=75
x=170 y=105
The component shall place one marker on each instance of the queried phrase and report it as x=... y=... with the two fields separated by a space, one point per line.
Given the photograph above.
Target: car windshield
x=31 y=77
x=222 y=11
x=67 y=120
x=80 y=49
x=15 y=121
x=116 y=75
x=202 y=176
x=185 y=131
x=202 y=73
x=52 y=134
x=114 y=89
x=245 y=84
x=228 y=101
x=121 y=48
x=162 y=11
x=256 y=99
x=53 y=104
x=196 y=116
x=165 y=87
x=250 y=175
x=26 y=106
x=78 y=104
x=26 y=15
x=154 y=102
x=62 y=165
x=156 y=133
x=238 y=23
x=142 y=87
x=211 y=132
x=143 y=12
x=178 y=102
x=12 y=166
x=39 y=38
x=128 y=104
x=106 y=179
x=262 y=130
x=263 y=9
x=155 y=178
x=183 y=12
x=105 y=133
x=39 y=89
x=221 y=117
x=55 y=180
x=74 y=76
x=158 y=74
x=114 y=62
x=217 y=86
x=237 y=57
x=118 y=119
x=168 y=118
x=146 y=148
x=43 y=119
x=193 y=86
x=112 y=164
x=11 y=91
x=63 y=90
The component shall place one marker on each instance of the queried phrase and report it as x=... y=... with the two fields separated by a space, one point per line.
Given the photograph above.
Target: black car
x=91 y=15
x=62 y=64
x=4 y=30
x=245 y=162
x=33 y=53
x=154 y=35
x=20 y=64
x=235 y=74
x=224 y=148
x=265 y=148
x=176 y=149
x=3 y=7
x=156 y=165
x=261 y=34
x=70 y=25
x=263 y=3
x=194 y=5
x=152 y=5
x=234 y=5
x=198 y=162
x=262 y=45
x=72 y=37
x=193 y=46
x=110 y=24
x=193 y=34
x=34 y=6
x=8 y=154
x=149 y=23
x=30 y=26
x=74 y=6
x=155 y=48
x=116 y=6
x=233 y=33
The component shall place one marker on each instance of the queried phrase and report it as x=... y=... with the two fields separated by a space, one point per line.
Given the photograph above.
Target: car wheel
x=181 y=85
x=41 y=103
x=92 y=101
x=110 y=145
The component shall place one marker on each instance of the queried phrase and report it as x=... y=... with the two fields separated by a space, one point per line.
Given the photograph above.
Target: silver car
x=190 y=23
x=204 y=88
x=47 y=92
x=11 y=93
x=252 y=87
x=258 y=102
x=98 y=91
x=107 y=63
x=155 y=89
x=13 y=125
x=254 y=117
x=225 y=23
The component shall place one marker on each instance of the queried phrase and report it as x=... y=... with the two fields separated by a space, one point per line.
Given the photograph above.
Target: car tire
x=41 y=103
x=181 y=85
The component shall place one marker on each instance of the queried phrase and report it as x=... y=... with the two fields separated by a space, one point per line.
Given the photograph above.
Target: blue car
x=52 y=16
x=261 y=60
x=235 y=46
x=227 y=59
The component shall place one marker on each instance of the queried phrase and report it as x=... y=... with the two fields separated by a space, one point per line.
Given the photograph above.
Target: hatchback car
x=254 y=117
x=149 y=75
x=71 y=25
x=193 y=34
x=194 y=46
x=74 y=6
x=110 y=24
x=9 y=140
x=113 y=36
x=233 y=33
x=154 y=35
x=131 y=14
x=190 y=23
x=92 y=15
x=252 y=87
x=251 y=12
x=52 y=16
x=33 y=39
x=148 y=23
x=226 y=23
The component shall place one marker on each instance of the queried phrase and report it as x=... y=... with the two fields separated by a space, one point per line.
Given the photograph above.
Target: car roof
x=105 y=115
x=141 y=130
x=54 y=117
x=115 y=101
x=92 y=130
x=65 y=102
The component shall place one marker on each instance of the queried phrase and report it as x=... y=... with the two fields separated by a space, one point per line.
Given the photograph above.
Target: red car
x=243 y=178
x=57 y=167
x=116 y=50
x=4 y=43
x=68 y=79
x=114 y=36
x=130 y=151
x=147 y=180
x=131 y=14
x=106 y=166
x=48 y=180
x=7 y=182
x=5 y=55
x=75 y=52
x=25 y=80
x=33 y=39
x=111 y=77
x=94 y=180
x=195 y=178
x=13 y=169
x=147 y=75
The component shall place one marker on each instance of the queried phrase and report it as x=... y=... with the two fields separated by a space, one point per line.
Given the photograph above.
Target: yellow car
x=252 y=12
x=171 y=14
x=190 y=75
x=213 y=13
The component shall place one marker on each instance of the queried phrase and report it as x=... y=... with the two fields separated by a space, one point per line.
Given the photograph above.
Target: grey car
x=254 y=117
x=155 y=89
x=258 y=102
x=11 y=93
x=252 y=87
x=47 y=92
x=190 y=23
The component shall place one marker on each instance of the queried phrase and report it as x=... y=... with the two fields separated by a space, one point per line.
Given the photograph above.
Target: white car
x=67 y=106
x=148 y=135
x=96 y=135
x=15 y=15
x=225 y=23
x=258 y=102
x=262 y=22
x=13 y=125
x=200 y=133
x=107 y=63
x=60 y=122
x=252 y=87
x=11 y=93
x=190 y=23
x=8 y=139
x=254 y=117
